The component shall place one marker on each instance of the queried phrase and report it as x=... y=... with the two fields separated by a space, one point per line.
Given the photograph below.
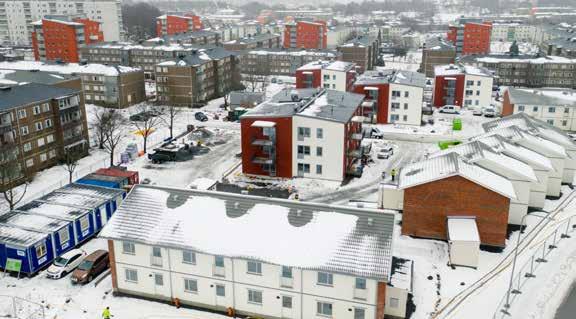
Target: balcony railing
x=262 y=142
x=355 y=153
x=218 y=271
x=155 y=261
x=286 y=282
x=262 y=160
x=356 y=136
x=360 y=294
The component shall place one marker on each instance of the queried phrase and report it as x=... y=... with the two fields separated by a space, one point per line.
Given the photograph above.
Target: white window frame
x=131 y=275
x=128 y=248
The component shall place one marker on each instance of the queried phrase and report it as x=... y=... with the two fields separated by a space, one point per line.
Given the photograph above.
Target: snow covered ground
x=411 y=62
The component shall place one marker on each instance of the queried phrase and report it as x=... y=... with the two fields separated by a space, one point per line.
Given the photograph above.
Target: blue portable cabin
x=98 y=182
x=113 y=196
x=82 y=219
x=33 y=249
x=61 y=231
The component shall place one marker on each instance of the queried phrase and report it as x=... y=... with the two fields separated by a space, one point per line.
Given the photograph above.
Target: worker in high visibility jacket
x=106 y=313
x=393 y=174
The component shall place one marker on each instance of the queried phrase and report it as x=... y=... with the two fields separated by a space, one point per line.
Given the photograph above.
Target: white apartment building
x=334 y=75
x=513 y=31
x=16 y=16
x=210 y=250
x=462 y=85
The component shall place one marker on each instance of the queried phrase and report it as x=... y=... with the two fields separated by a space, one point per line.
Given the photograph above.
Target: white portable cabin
x=390 y=197
x=463 y=241
x=518 y=173
x=399 y=287
x=540 y=164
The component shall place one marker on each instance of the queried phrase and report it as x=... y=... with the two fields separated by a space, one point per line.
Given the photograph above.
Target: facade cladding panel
x=283 y=146
x=476 y=38
x=382 y=103
x=303 y=78
x=171 y=24
x=428 y=206
x=308 y=35
x=441 y=90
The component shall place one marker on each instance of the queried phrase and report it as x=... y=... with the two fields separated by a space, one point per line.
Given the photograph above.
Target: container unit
x=464 y=241
x=133 y=176
x=112 y=196
x=32 y=250
x=82 y=220
x=60 y=231
x=104 y=181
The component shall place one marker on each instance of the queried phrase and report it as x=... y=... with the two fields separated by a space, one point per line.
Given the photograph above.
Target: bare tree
x=98 y=128
x=11 y=176
x=70 y=161
x=146 y=120
x=113 y=125
x=169 y=114
x=252 y=82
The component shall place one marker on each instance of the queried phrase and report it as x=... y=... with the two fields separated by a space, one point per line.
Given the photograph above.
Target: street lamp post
x=516 y=291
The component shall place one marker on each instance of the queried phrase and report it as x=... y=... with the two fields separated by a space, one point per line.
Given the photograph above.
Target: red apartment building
x=392 y=96
x=314 y=133
x=175 y=24
x=470 y=36
x=462 y=86
x=306 y=34
x=59 y=39
x=335 y=75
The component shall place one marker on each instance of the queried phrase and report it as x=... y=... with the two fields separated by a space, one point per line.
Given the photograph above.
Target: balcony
x=262 y=160
x=356 y=136
x=355 y=153
x=5 y=127
x=155 y=261
x=360 y=294
x=262 y=142
x=218 y=271
x=358 y=119
x=286 y=282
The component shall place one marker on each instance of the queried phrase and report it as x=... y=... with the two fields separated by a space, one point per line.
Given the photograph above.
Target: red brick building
x=462 y=86
x=447 y=186
x=335 y=75
x=54 y=39
x=312 y=133
x=306 y=35
x=470 y=37
x=175 y=24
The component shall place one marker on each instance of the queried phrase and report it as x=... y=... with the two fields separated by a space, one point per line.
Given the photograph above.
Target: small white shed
x=463 y=241
x=390 y=197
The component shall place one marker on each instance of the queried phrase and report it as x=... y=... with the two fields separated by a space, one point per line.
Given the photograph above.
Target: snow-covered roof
x=19 y=237
x=479 y=153
x=70 y=23
x=385 y=76
x=457 y=69
x=58 y=211
x=545 y=97
x=328 y=65
x=463 y=229
x=284 y=232
x=37 y=223
x=492 y=59
x=402 y=273
x=528 y=140
x=263 y=124
x=73 y=200
x=295 y=52
x=91 y=190
x=68 y=68
x=449 y=165
x=502 y=145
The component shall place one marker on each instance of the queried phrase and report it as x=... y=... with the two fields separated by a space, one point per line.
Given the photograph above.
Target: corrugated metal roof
x=19 y=237
x=449 y=165
x=73 y=199
x=89 y=190
x=502 y=145
x=32 y=222
x=291 y=233
x=53 y=210
x=525 y=138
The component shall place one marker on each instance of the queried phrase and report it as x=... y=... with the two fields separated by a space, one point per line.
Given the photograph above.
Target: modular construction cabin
x=210 y=250
x=32 y=235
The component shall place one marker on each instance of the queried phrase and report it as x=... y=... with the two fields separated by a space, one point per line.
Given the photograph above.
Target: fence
x=19 y=308
x=529 y=269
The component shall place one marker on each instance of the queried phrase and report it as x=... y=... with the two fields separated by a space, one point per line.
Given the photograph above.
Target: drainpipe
x=170 y=274
x=301 y=294
x=233 y=287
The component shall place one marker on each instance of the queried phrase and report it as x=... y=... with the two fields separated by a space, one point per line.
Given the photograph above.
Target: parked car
x=65 y=264
x=140 y=117
x=280 y=81
x=92 y=266
x=199 y=116
x=489 y=112
x=449 y=109
x=477 y=111
x=385 y=152
x=376 y=133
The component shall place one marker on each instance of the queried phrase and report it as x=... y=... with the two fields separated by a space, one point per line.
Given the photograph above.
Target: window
x=405 y=118
x=334 y=77
x=64 y=235
x=157 y=252
x=396 y=93
x=38 y=126
x=27 y=147
x=564 y=122
x=324 y=308
x=46 y=107
x=405 y=106
x=49 y=139
x=36 y=110
x=551 y=122
x=326 y=85
x=535 y=109
x=128 y=248
x=158 y=280
x=360 y=283
x=319 y=133
x=406 y=94
x=52 y=154
x=21 y=114
x=520 y=108
x=319 y=169
x=131 y=275
x=479 y=83
x=287 y=302
x=304 y=131
x=326 y=77
x=84 y=223
x=477 y=93
x=303 y=150
x=254 y=267
x=476 y=102
x=29 y=162
x=551 y=109
x=48 y=123
x=395 y=106
x=469 y=83
x=394 y=302
x=40 y=142
x=220 y=290
x=188 y=257
x=303 y=168
x=319 y=151
x=325 y=278
x=43 y=157
x=190 y=285
x=286 y=272
x=255 y=296
x=359 y=313
x=24 y=130
x=40 y=250
x=219 y=261
x=469 y=92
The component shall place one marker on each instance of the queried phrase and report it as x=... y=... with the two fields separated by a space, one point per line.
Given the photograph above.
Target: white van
x=449 y=109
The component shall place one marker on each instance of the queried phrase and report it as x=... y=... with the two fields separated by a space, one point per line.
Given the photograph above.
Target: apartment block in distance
x=392 y=96
x=253 y=42
x=462 y=86
x=39 y=122
x=175 y=24
x=282 y=62
x=16 y=27
x=362 y=50
x=312 y=133
x=335 y=75
x=104 y=85
x=435 y=52
x=306 y=35
x=528 y=70
x=198 y=77
x=555 y=106
x=260 y=272
x=470 y=36
x=59 y=39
